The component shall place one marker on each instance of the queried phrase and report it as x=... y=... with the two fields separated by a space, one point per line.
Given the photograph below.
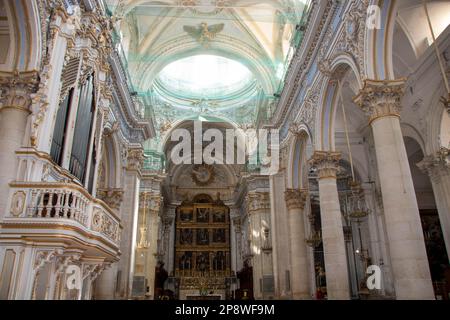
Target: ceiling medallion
x=203 y=174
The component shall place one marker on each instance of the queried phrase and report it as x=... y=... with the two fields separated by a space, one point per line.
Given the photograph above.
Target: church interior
x=345 y=195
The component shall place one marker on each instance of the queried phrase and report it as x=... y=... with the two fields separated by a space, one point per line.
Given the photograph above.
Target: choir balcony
x=59 y=211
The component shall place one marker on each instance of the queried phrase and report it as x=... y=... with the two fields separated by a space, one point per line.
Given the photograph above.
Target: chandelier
x=315 y=238
x=356 y=204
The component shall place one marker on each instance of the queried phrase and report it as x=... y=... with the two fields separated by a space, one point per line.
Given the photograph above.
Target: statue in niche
x=202 y=237
x=219 y=235
x=219 y=261
x=186 y=236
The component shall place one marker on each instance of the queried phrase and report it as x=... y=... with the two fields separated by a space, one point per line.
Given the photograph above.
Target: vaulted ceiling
x=174 y=48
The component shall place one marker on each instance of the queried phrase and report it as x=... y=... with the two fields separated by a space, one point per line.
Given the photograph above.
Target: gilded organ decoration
x=202 y=243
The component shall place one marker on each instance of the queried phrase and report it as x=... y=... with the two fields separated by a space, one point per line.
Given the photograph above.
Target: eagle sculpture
x=204 y=33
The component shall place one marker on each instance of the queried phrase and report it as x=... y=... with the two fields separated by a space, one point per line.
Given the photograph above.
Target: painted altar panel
x=202 y=246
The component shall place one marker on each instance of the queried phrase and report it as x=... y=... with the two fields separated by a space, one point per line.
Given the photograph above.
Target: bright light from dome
x=205 y=76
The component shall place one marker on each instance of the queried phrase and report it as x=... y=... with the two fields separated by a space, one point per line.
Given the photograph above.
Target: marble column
x=258 y=206
x=168 y=237
x=129 y=218
x=437 y=166
x=14 y=111
x=237 y=235
x=336 y=268
x=153 y=222
x=295 y=201
x=381 y=102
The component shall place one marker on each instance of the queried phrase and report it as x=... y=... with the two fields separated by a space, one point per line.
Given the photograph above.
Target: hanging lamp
x=356 y=204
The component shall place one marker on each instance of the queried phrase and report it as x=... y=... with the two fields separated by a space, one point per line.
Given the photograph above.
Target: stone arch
x=23 y=40
x=380 y=42
x=111 y=163
x=411 y=132
x=297 y=170
x=181 y=124
x=341 y=66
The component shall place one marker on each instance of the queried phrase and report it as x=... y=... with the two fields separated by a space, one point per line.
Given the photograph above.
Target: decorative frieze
x=295 y=198
x=381 y=98
x=326 y=163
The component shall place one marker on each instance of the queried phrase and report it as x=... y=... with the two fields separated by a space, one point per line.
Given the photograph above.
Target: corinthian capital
x=258 y=201
x=381 y=98
x=295 y=198
x=436 y=165
x=17 y=89
x=326 y=163
x=135 y=159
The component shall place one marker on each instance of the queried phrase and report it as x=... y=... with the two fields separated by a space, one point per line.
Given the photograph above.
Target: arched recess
x=297 y=177
x=412 y=133
x=110 y=167
x=409 y=16
x=344 y=70
x=21 y=40
x=378 y=41
x=188 y=125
